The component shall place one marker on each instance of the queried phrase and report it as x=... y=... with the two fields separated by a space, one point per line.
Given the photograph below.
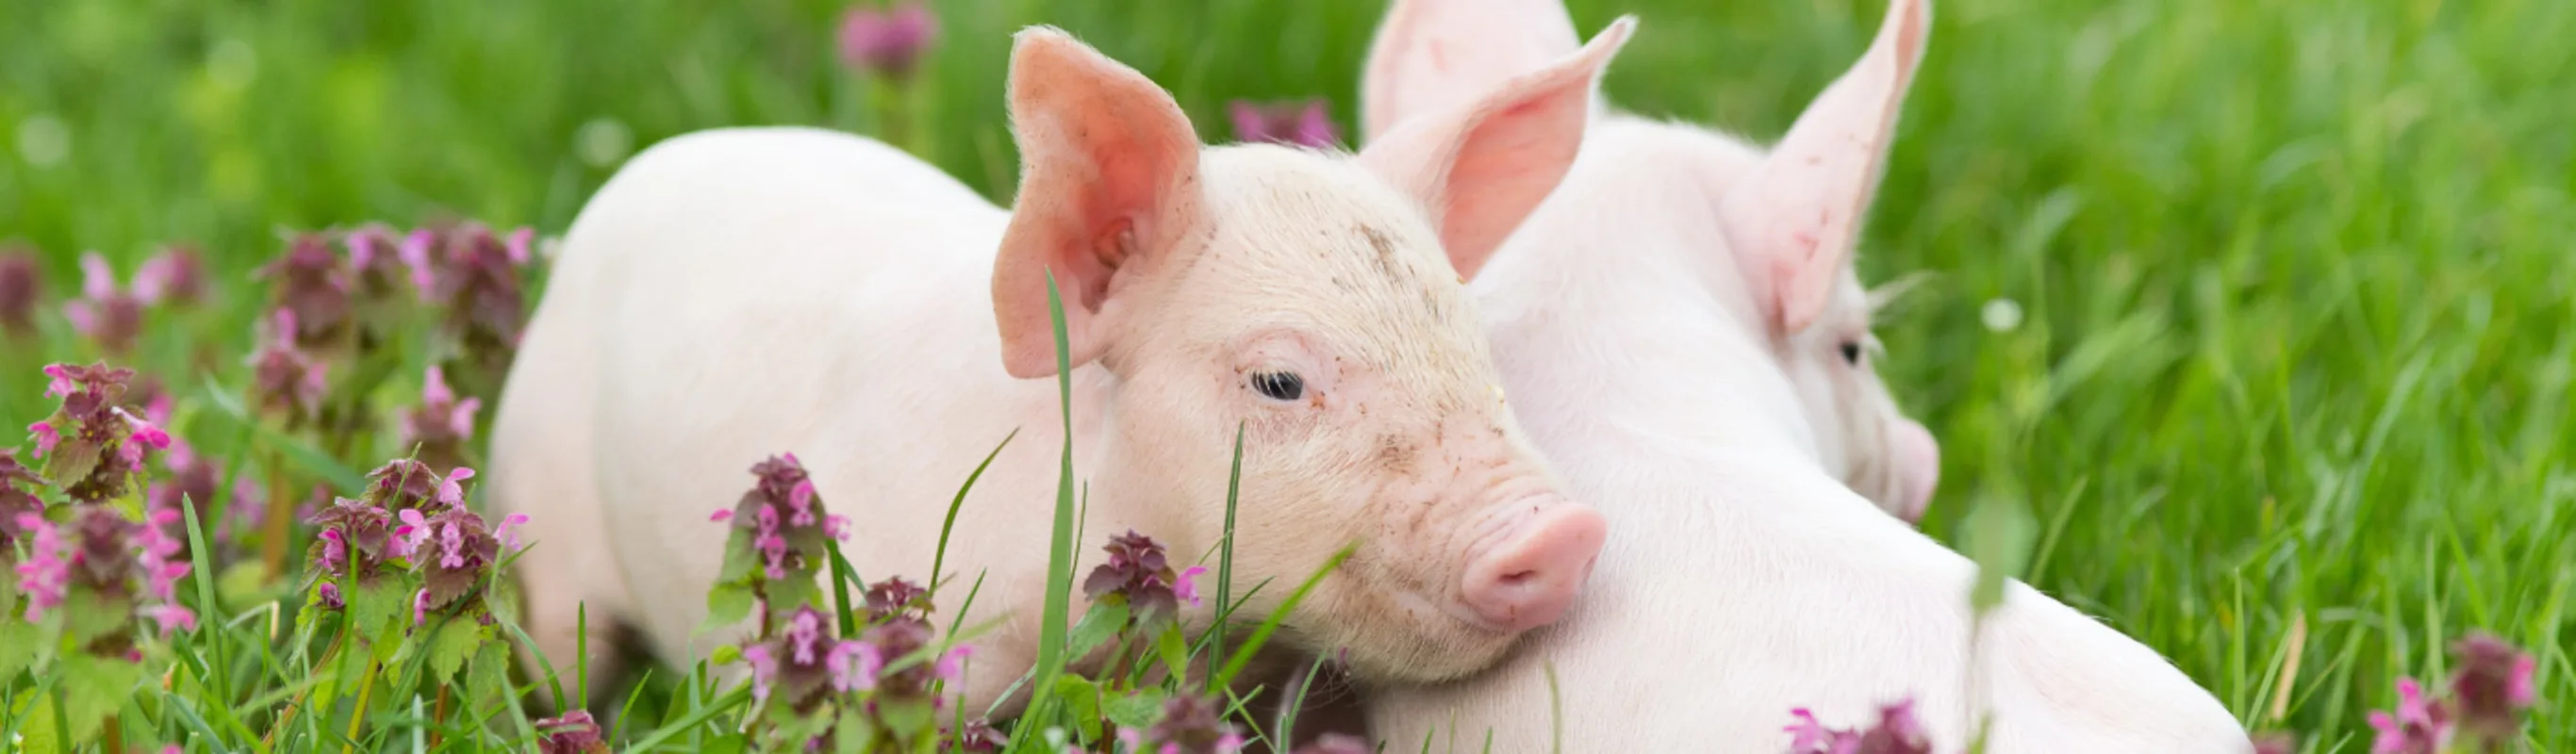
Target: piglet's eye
x=1279 y=386
x=1851 y=352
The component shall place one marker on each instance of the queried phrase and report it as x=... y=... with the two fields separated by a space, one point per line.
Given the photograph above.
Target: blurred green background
x=2262 y=308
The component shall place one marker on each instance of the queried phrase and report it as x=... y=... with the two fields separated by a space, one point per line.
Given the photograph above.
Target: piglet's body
x=1680 y=330
x=739 y=293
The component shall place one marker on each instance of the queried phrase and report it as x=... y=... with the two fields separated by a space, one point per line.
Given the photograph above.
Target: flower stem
x=358 y=714
x=288 y=716
x=281 y=517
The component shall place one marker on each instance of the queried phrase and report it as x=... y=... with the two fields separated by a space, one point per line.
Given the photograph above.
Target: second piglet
x=738 y=293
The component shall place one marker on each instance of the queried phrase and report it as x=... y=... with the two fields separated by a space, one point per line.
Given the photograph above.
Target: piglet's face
x=1785 y=222
x=1314 y=302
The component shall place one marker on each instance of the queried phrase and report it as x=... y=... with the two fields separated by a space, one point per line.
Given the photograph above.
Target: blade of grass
x=1225 y=546
x=939 y=557
x=841 y=575
x=202 y=570
x=695 y=717
x=1051 y=628
x=1251 y=644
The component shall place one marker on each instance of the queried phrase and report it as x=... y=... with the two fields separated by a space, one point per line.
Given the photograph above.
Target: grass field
x=2294 y=279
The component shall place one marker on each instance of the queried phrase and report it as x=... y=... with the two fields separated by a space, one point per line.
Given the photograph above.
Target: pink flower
x=837 y=527
x=452 y=491
x=510 y=539
x=335 y=550
x=516 y=246
x=46 y=437
x=764 y=669
x=887 y=42
x=420 y=608
x=172 y=618
x=46 y=574
x=409 y=536
x=60 y=385
x=854 y=666
x=2420 y=726
x=1305 y=124
x=721 y=515
x=330 y=595
x=952 y=665
x=414 y=253
x=1808 y=734
x=176 y=275
x=1186 y=588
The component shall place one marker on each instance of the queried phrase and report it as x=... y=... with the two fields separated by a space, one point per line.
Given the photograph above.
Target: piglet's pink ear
x=1794 y=221
x=1435 y=54
x=1108 y=191
x=1481 y=166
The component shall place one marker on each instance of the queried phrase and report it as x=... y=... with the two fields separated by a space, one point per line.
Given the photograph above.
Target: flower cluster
x=19 y=284
x=442 y=423
x=573 y=733
x=1191 y=724
x=310 y=282
x=103 y=557
x=285 y=381
x=409 y=520
x=17 y=498
x=1305 y=124
x=777 y=540
x=887 y=42
x=2488 y=696
x=1141 y=577
x=105 y=312
x=94 y=448
x=1897 y=732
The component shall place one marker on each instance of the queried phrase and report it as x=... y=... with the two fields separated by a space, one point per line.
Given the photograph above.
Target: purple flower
x=17 y=497
x=442 y=423
x=175 y=275
x=798 y=666
x=355 y=539
x=574 y=733
x=420 y=608
x=2420 y=726
x=1140 y=575
x=781 y=520
x=376 y=260
x=1306 y=124
x=2493 y=686
x=19 y=285
x=105 y=312
x=98 y=448
x=854 y=665
x=404 y=484
x=979 y=737
x=1193 y=724
x=312 y=282
x=475 y=275
x=896 y=596
x=285 y=381
x=460 y=557
x=329 y=595
x=888 y=42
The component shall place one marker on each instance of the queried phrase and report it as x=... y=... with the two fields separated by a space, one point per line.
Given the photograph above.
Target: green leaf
x=489 y=676
x=19 y=642
x=725 y=654
x=375 y=606
x=939 y=556
x=1081 y=699
x=1103 y=621
x=906 y=718
x=1173 y=649
x=39 y=733
x=1999 y=538
x=1138 y=709
x=739 y=560
x=87 y=616
x=93 y=688
x=455 y=642
x=727 y=604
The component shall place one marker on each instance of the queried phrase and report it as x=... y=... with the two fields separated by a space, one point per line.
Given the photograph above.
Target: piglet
x=1681 y=330
x=736 y=293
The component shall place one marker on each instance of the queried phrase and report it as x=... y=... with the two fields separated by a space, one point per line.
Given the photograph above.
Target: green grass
x=2297 y=276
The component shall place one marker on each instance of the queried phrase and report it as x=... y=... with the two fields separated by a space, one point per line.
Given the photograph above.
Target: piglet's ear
x=1794 y=221
x=1480 y=167
x=1108 y=193
x=1435 y=54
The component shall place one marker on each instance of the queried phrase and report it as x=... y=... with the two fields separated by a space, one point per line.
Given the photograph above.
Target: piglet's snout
x=1528 y=576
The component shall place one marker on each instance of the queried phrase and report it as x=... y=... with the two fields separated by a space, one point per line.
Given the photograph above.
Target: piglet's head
x=1789 y=218
x=1314 y=301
